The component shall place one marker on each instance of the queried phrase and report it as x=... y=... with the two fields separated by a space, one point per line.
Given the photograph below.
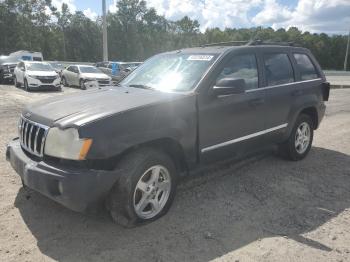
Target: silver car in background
x=78 y=75
x=120 y=70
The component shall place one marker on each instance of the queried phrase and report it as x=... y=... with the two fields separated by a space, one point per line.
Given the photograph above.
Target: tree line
x=135 y=32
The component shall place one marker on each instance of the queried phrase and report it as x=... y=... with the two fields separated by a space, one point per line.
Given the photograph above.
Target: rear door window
x=278 y=69
x=305 y=66
x=242 y=67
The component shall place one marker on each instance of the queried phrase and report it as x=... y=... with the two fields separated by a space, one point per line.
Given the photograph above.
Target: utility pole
x=347 y=52
x=104 y=25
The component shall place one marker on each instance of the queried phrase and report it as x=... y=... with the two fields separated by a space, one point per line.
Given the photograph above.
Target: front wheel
x=64 y=81
x=16 y=82
x=82 y=84
x=146 y=188
x=300 y=140
x=26 y=86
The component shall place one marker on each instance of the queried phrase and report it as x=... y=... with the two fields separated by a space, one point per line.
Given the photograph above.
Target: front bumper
x=79 y=189
x=34 y=83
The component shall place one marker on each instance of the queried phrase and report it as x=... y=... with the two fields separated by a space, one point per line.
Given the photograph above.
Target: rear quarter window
x=278 y=69
x=306 y=67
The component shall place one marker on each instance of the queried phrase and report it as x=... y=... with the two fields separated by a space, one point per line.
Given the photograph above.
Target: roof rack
x=229 y=43
x=250 y=43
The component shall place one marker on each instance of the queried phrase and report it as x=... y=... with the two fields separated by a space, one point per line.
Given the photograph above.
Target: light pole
x=347 y=52
x=104 y=25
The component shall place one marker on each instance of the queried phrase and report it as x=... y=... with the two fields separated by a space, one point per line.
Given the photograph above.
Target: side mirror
x=229 y=86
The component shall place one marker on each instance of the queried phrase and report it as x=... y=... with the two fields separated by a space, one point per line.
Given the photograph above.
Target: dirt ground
x=260 y=209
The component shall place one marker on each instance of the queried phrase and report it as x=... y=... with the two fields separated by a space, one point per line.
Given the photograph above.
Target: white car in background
x=36 y=75
x=79 y=75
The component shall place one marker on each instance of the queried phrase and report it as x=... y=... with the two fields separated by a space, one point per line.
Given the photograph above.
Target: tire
x=26 y=87
x=1 y=78
x=64 y=81
x=294 y=148
x=130 y=206
x=81 y=84
x=16 y=82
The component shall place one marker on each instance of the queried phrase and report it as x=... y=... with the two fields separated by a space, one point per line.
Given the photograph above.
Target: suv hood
x=83 y=107
x=94 y=75
x=41 y=73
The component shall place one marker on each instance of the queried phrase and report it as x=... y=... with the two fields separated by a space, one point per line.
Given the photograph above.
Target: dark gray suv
x=127 y=146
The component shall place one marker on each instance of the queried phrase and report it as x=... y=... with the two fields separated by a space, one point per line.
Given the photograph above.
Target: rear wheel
x=299 y=143
x=145 y=190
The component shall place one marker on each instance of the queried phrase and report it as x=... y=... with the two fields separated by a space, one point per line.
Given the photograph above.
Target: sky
x=328 y=16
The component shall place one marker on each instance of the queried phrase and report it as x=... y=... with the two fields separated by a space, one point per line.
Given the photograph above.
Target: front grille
x=103 y=82
x=46 y=87
x=11 y=69
x=47 y=79
x=32 y=136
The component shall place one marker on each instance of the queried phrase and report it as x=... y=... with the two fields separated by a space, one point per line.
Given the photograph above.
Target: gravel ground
x=260 y=209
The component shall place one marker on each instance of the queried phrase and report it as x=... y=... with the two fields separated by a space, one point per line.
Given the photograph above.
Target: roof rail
x=250 y=43
x=261 y=42
x=229 y=43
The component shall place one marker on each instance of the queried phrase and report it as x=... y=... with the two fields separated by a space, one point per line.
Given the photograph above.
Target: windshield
x=57 y=65
x=171 y=72
x=89 y=69
x=39 y=67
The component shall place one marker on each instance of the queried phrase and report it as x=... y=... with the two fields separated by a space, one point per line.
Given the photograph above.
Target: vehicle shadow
x=215 y=212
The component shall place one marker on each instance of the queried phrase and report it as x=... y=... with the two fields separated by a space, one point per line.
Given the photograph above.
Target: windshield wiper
x=141 y=86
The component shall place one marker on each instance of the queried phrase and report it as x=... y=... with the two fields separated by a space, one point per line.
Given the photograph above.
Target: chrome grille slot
x=32 y=136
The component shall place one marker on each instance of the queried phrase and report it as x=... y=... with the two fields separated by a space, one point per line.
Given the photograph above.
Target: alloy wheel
x=152 y=192
x=302 y=137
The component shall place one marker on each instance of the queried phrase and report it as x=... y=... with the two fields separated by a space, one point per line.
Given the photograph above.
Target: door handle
x=297 y=93
x=257 y=101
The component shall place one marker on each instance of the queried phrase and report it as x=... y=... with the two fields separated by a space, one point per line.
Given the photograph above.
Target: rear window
x=306 y=67
x=278 y=69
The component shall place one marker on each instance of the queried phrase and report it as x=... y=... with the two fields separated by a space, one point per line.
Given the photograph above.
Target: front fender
x=172 y=119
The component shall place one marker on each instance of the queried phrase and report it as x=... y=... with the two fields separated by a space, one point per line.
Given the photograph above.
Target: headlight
x=32 y=76
x=66 y=144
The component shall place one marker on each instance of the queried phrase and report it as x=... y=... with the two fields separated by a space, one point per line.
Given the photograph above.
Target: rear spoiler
x=326 y=86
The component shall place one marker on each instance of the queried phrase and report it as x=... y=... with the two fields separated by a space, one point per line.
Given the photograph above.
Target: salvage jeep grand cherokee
x=127 y=145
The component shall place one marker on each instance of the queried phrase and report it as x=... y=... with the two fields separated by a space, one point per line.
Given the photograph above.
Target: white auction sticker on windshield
x=200 y=57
